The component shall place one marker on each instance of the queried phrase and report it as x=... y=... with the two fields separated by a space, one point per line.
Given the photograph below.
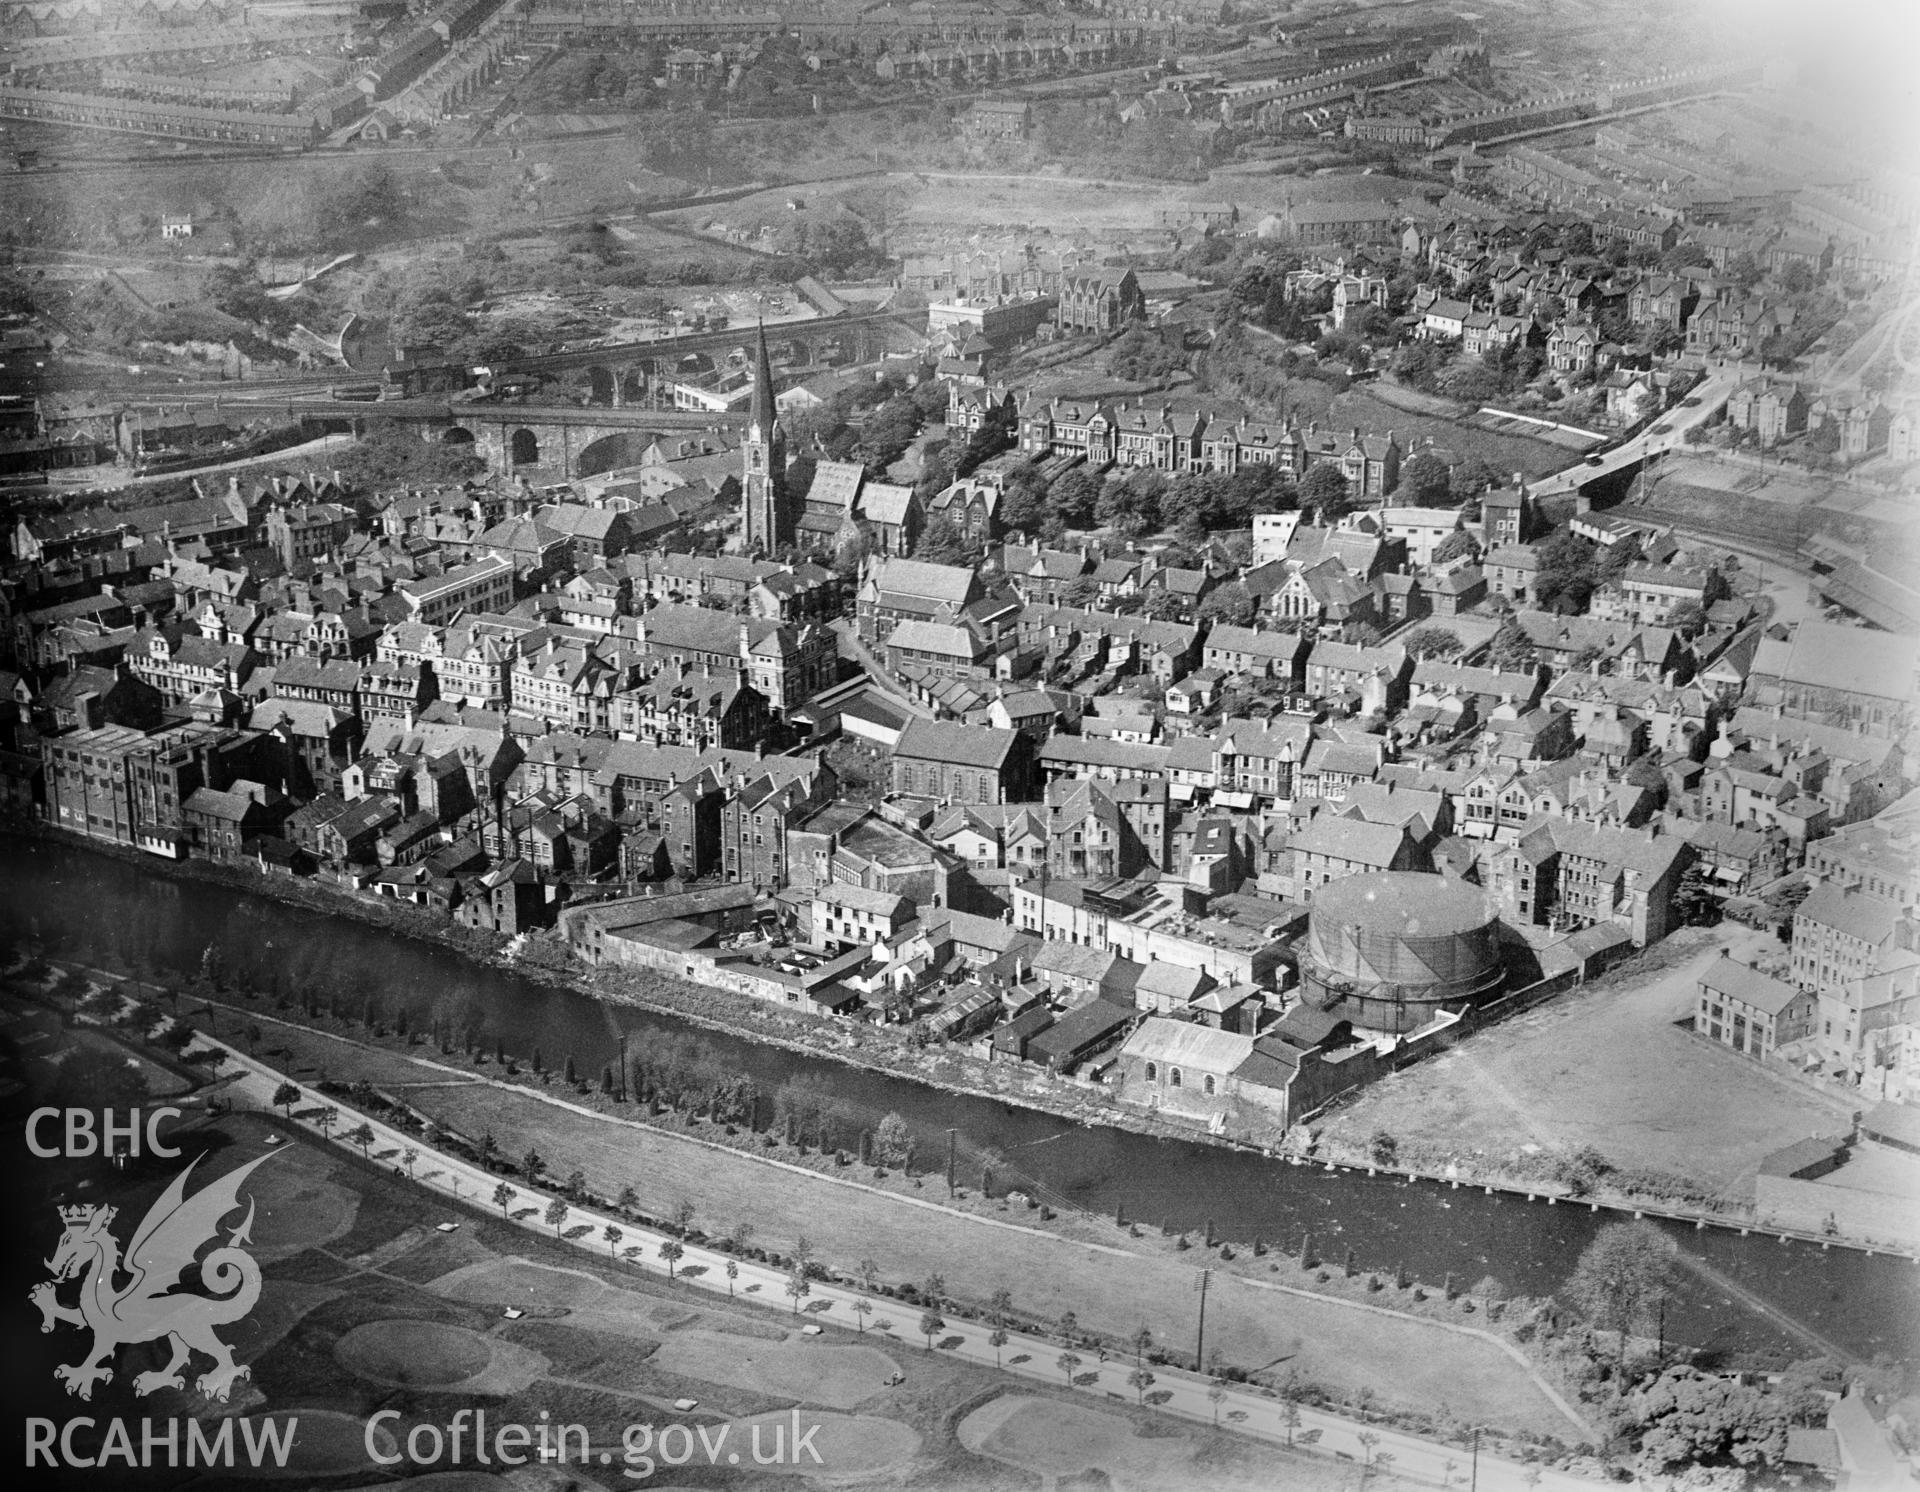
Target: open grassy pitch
x=803 y=1368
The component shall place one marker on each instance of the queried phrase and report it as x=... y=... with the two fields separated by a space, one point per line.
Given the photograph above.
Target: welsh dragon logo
x=149 y=1304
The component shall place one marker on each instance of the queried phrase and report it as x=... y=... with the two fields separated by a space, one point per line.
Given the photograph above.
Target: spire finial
x=764 y=412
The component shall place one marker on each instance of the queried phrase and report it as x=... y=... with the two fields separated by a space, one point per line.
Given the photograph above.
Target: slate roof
x=1187 y=1044
x=1349 y=839
x=1851 y=912
x=958 y=745
x=1738 y=981
x=943 y=583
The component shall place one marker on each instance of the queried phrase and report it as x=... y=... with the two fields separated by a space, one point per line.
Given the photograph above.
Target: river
x=1864 y=1305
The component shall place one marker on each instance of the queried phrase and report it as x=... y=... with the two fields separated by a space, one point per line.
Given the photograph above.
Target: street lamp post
x=1200 y=1337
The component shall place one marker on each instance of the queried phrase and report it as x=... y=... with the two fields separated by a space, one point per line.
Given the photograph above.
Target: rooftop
x=1186 y=1044
x=1406 y=903
x=959 y=745
x=1738 y=981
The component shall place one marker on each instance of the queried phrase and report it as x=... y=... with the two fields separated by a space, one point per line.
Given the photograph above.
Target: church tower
x=768 y=515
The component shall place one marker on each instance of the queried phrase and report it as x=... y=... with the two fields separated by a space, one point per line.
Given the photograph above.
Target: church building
x=767 y=510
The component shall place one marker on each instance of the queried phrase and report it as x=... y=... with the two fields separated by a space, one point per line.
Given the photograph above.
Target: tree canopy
x=1622 y=1276
x=1686 y=1419
x=1434 y=642
x=942 y=543
x=1074 y=495
x=1426 y=481
x=1567 y=575
x=1024 y=502
x=1324 y=490
x=1230 y=603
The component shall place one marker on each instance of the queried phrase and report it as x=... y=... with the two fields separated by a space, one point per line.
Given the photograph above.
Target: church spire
x=763 y=412
x=767 y=521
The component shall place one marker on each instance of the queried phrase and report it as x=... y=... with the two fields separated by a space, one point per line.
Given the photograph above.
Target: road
x=1665 y=434
x=1895 y=331
x=1189 y=1395
x=115 y=478
x=877 y=669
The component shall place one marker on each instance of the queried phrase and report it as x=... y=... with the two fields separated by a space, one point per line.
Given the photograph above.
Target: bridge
x=507 y=436
x=1667 y=433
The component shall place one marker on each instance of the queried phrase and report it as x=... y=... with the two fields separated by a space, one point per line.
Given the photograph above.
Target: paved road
x=1665 y=434
x=1188 y=1394
x=877 y=669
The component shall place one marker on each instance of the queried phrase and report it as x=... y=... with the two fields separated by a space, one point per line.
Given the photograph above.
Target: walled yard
x=1609 y=1066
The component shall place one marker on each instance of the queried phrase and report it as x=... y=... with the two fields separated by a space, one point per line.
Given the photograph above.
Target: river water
x=1733 y=1292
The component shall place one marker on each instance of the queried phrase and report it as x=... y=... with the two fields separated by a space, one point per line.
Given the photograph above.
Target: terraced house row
x=1181 y=435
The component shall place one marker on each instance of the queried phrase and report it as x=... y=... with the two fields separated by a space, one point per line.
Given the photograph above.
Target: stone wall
x=1876 y=1217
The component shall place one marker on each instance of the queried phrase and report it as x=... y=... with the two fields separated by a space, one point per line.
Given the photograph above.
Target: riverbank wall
x=712 y=1270
x=1745 y=1223
x=884 y=1050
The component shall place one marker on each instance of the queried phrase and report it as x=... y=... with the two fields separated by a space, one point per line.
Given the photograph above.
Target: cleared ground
x=1605 y=1066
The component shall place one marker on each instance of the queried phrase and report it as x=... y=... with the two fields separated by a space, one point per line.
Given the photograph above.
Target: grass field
x=334 y=1338
x=1781 y=507
x=1604 y=1066
x=325 y=1443
x=1328 y=1342
x=804 y=1369
x=435 y=1357
x=1058 y=1440
x=1113 y=1292
x=300 y=1204
x=1505 y=453
x=852 y=1447
x=161 y=1081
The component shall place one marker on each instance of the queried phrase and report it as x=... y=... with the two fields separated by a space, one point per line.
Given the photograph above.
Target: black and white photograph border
x=1167 y=744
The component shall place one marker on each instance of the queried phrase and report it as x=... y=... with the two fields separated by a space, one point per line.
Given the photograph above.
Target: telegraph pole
x=1200 y=1337
x=1473 y=1484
